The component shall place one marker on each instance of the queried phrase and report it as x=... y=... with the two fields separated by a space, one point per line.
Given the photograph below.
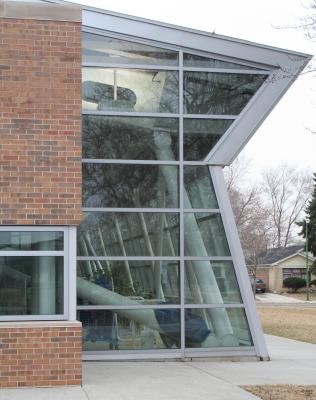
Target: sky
x=287 y=135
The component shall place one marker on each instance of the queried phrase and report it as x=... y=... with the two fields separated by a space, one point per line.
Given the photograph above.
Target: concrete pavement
x=292 y=362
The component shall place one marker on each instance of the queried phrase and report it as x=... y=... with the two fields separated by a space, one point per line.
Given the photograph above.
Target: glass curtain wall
x=154 y=270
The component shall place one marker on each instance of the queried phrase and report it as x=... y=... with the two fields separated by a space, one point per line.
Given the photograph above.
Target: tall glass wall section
x=154 y=270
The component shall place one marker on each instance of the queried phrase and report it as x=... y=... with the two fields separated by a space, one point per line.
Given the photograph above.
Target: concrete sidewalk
x=292 y=362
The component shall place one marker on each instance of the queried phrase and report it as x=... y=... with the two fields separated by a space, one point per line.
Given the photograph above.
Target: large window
x=33 y=271
x=154 y=268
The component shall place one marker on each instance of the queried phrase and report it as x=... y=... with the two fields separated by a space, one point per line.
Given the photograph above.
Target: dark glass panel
x=130 y=138
x=192 y=60
x=107 y=89
x=219 y=93
x=201 y=135
x=213 y=281
x=104 y=49
x=217 y=327
x=199 y=190
x=204 y=235
x=31 y=285
x=130 y=329
x=143 y=282
x=31 y=241
x=129 y=234
x=130 y=186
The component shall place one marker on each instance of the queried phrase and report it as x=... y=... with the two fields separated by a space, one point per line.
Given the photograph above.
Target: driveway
x=272 y=298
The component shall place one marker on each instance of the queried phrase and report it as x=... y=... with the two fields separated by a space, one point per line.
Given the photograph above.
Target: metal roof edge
x=185 y=29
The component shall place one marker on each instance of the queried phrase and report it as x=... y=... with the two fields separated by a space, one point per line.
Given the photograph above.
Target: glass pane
x=35 y=240
x=31 y=285
x=129 y=234
x=210 y=282
x=134 y=282
x=199 y=190
x=130 y=138
x=204 y=235
x=104 y=49
x=128 y=185
x=216 y=327
x=201 y=135
x=130 y=329
x=217 y=93
x=130 y=90
x=192 y=60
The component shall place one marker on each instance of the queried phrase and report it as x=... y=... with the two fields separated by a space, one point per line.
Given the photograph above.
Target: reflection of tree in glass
x=112 y=185
x=219 y=93
x=129 y=138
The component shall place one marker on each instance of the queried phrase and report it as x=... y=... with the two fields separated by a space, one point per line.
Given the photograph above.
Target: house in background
x=280 y=263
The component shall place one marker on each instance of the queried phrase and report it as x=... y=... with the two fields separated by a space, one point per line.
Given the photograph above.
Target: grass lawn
x=292 y=323
x=283 y=392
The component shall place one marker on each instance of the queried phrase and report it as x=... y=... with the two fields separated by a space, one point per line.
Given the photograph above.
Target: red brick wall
x=40 y=354
x=40 y=122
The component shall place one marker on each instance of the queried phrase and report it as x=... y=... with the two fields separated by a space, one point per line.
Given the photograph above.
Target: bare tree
x=286 y=192
x=251 y=214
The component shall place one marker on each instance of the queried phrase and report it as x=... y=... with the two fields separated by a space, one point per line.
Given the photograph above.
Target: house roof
x=273 y=256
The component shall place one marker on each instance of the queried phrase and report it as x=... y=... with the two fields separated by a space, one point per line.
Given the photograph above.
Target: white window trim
x=69 y=255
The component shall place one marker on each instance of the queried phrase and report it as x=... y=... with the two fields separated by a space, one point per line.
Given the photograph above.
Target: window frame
x=66 y=253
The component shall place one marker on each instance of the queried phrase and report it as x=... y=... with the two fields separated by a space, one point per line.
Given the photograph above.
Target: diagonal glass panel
x=130 y=186
x=204 y=235
x=217 y=327
x=106 y=89
x=199 y=187
x=102 y=49
x=201 y=135
x=193 y=60
x=129 y=234
x=197 y=289
x=217 y=93
x=131 y=138
x=153 y=282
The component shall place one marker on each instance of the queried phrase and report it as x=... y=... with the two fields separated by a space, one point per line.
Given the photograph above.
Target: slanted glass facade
x=155 y=272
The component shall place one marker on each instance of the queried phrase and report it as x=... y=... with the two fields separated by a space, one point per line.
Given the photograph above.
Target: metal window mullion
x=17 y=253
x=181 y=188
x=226 y=70
x=151 y=67
x=210 y=116
x=128 y=258
x=129 y=114
x=130 y=210
x=215 y=305
x=138 y=306
x=120 y=162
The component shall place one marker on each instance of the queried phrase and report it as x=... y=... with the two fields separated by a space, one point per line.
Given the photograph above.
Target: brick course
x=40 y=354
x=40 y=122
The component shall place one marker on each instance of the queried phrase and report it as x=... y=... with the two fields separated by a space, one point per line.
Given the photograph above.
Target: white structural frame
x=69 y=269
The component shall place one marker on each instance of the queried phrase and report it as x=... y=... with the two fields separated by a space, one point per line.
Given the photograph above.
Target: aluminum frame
x=183 y=352
x=68 y=273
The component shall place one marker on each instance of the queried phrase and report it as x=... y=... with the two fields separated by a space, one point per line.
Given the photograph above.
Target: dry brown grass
x=292 y=323
x=283 y=392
